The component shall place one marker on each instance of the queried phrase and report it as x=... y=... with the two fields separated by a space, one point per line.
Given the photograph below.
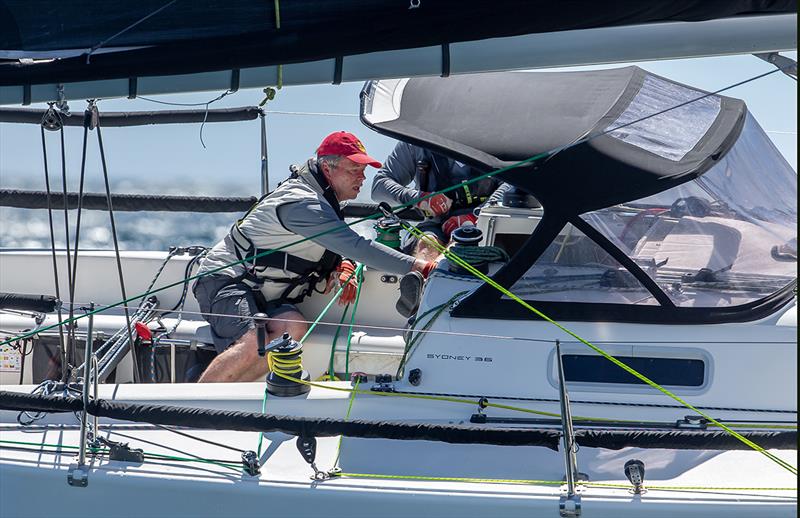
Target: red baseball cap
x=347 y=145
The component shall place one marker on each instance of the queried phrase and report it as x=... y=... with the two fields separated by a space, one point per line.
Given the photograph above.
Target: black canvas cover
x=159 y=37
x=495 y=120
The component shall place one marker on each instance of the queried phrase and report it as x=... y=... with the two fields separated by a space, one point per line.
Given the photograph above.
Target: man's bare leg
x=241 y=362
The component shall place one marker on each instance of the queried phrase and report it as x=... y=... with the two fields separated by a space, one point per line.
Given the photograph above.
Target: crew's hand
x=435 y=205
x=455 y=222
x=347 y=279
x=424 y=267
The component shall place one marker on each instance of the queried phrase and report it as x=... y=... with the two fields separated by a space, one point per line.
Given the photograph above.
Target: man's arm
x=497 y=196
x=392 y=180
x=308 y=218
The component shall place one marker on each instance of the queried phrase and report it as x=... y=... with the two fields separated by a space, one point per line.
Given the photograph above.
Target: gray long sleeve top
x=393 y=182
x=308 y=218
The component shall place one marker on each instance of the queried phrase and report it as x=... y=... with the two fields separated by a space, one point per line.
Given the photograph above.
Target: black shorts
x=228 y=308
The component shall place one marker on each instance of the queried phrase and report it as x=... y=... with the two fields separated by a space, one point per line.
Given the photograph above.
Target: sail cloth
x=215 y=35
x=495 y=120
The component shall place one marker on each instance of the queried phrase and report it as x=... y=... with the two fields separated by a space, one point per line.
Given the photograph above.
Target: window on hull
x=678 y=372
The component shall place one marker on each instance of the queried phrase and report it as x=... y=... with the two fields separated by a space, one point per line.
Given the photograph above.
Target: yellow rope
x=281 y=366
x=453 y=257
x=556 y=483
x=507 y=407
x=277 y=4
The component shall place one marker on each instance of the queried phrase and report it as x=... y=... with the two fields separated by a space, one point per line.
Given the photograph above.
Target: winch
x=388 y=231
x=285 y=365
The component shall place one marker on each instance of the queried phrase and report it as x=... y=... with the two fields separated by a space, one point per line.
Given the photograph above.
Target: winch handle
x=260 y=320
x=386 y=209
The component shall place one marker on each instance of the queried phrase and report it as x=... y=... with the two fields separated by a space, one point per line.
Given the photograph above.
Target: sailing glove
x=436 y=205
x=455 y=222
x=346 y=272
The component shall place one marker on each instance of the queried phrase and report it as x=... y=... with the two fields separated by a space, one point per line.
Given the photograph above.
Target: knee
x=292 y=323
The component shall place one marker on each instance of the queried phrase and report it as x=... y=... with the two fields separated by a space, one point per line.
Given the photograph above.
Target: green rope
x=479 y=254
x=263 y=412
x=346 y=417
x=277 y=4
x=103 y=451
x=331 y=375
x=598 y=350
x=305 y=336
x=437 y=310
x=360 y=273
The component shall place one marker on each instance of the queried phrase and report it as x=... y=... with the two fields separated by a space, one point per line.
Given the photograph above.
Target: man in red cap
x=234 y=286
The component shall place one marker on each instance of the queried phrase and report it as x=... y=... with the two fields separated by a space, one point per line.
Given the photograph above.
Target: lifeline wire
x=457 y=333
x=398 y=207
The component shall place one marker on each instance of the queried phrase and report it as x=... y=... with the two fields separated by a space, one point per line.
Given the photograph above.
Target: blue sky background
x=146 y=159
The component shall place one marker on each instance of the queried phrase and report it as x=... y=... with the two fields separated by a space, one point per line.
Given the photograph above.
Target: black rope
x=132 y=345
x=53 y=248
x=70 y=341
x=264 y=161
x=74 y=273
x=189 y=436
x=445 y=60
x=133 y=87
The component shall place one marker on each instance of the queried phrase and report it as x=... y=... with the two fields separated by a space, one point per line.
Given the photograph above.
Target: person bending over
x=303 y=206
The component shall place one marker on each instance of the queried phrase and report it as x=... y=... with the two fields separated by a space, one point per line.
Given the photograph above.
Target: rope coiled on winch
x=479 y=254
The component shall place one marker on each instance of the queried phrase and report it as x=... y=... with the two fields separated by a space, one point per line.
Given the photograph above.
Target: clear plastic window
x=727 y=238
x=575 y=269
x=673 y=133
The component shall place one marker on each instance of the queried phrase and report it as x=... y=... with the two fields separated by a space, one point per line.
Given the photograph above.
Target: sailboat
x=618 y=336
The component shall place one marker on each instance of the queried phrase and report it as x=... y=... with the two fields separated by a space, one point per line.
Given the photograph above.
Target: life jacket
x=434 y=172
x=291 y=273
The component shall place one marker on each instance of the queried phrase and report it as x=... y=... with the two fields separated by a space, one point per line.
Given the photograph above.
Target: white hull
x=163 y=488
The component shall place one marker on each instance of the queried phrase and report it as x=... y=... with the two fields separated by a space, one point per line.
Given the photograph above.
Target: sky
x=171 y=157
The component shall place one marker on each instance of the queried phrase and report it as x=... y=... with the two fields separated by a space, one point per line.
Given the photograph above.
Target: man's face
x=345 y=179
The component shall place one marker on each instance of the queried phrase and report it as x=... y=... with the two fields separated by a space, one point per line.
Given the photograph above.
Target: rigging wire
x=52 y=236
x=94 y=48
x=132 y=346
